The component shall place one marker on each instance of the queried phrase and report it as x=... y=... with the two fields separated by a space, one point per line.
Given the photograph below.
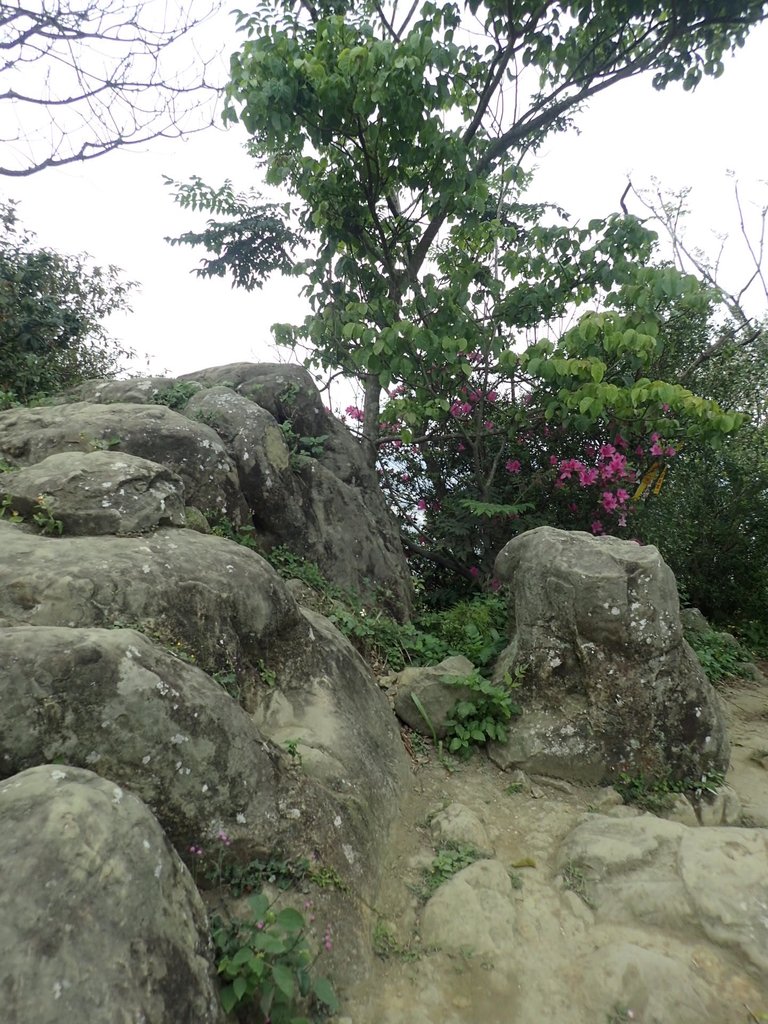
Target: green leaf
x=284 y=979
x=290 y=919
x=229 y=999
x=324 y=992
x=240 y=987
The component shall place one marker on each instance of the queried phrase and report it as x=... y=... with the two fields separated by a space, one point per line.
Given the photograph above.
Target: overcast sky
x=118 y=210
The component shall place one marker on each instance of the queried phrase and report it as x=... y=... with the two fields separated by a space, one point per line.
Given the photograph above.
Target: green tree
x=52 y=309
x=399 y=140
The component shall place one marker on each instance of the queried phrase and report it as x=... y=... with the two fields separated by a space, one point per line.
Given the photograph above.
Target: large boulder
x=117 y=704
x=73 y=692
x=607 y=683
x=99 y=919
x=305 y=479
x=190 y=449
x=346 y=526
x=97 y=492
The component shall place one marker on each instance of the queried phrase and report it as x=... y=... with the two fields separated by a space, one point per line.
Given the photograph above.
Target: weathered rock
x=350 y=532
x=472 y=912
x=136 y=390
x=99 y=919
x=457 y=823
x=437 y=688
x=228 y=608
x=693 y=621
x=325 y=698
x=554 y=743
x=215 y=599
x=98 y=492
x=597 y=632
x=191 y=450
x=720 y=808
x=665 y=875
x=681 y=810
x=113 y=702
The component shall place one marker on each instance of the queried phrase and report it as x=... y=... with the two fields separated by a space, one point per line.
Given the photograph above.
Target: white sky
x=118 y=210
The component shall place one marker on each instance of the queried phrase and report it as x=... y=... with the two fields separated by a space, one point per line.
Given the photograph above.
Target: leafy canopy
x=52 y=308
x=399 y=138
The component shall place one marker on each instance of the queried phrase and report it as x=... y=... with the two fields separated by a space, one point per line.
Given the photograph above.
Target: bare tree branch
x=84 y=77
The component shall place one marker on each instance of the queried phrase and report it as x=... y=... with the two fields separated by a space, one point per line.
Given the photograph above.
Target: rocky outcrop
x=607 y=682
x=111 y=701
x=99 y=918
x=293 y=471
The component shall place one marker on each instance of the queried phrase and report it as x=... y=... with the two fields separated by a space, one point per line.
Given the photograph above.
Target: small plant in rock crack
x=291 y=748
x=177 y=395
x=266 y=963
x=450 y=858
x=575 y=879
x=481 y=716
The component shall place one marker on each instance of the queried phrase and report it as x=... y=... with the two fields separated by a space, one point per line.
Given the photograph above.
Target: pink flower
x=587 y=477
x=461 y=446
x=656 y=449
x=620 y=442
x=623 y=519
x=553 y=460
x=421 y=504
x=622 y=496
x=491 y=396
x=474 y=572
x=597 y=526
x=670 y=451
x=606 y=451
x=639 y=451
x=609 y=501
x=512 y=466
x=354 y=413
x=495 y=584
x=573 y=507
x=488 y=424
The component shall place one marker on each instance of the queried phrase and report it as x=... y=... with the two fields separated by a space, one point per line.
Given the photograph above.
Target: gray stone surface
x=191 y=450
x=662 y=874
x=99 y=920
x=598 y=638
x=113 y=702
x=98 y=492
x=473 y=912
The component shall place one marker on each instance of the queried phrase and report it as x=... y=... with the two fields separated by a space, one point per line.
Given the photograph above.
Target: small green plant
x=299 y=445
x=483 y=716
x=228 y=681
x=655 y=795
x=5 y=467
x=266 y=963
x=575 y=879
x=449 y=859
x=8 y=512
x=620 y=1015
x=386 y=946
x=292 y=750
x=44 y=519
x=720 y=654
x=177 y=395
x=268 y=676
x=100 y=444
x=41 y=515
x=222 y=527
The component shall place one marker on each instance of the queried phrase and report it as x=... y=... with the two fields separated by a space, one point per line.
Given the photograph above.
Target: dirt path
x=560 y=960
